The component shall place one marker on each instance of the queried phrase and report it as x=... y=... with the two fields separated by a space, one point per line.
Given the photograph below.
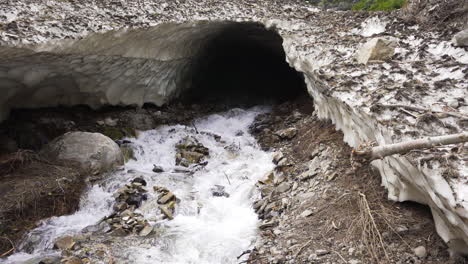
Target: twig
x=374 y=230
x=10 y=250
x=305 y=245
x=341 y=257
x=407 y=112
x=227 y=177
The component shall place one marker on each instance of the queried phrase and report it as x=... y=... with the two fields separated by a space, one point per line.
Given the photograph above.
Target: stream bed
x=206 y=228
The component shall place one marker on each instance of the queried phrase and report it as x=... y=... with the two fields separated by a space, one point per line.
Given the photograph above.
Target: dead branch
x=10 y=250
x=420 y=109
x=380 y=152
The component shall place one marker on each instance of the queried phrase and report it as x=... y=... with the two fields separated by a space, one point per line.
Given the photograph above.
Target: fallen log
x=380 y=152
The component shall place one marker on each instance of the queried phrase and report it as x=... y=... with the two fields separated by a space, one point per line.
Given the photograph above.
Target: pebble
x=420 y=252
x=321 y=252
x=307 y=213
x=283 y=187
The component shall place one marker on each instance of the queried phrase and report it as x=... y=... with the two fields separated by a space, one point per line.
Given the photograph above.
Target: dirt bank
x=318 y=208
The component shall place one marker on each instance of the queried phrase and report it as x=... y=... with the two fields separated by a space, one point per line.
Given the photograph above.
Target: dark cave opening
x=244 y=63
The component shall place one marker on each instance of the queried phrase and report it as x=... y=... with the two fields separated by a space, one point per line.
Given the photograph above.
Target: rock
x=322 y=252
x=110 y=122
x=307 y=213
x=287 y=133
x=127 y=152
x=65 y=243
x=185 y=158
x=139 y=180
x=283 y=187
x=118 y=232
x=166 y=198
x=136 y=199
x=283 y=163
x=461 y=39
x=268 y=224
x=218 y=191
x=420 y=252
x=376 y=49
x=277 y=157
x=120 y=206
x=307 y=175
x=102 y=227
x=146 y=230
x=157 y=169
x=166 y=212
x=92 y=152
x=72 y=260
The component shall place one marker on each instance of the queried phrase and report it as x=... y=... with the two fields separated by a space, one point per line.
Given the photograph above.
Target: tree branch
x=380 y=152
x=420 y=109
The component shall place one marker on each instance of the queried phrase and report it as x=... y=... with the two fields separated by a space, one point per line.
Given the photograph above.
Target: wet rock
x=157 y=169
x=185 y=158
x=287 y=133
x=420 y=252
x=102 y=227
x=218 y=191
x=146 y=230
x=376 y=49
x=166 y=212
x=136 y=199
x=461 y=39
x=92 y=152
x=166 y=198
x=65 y=243
x=139 y=180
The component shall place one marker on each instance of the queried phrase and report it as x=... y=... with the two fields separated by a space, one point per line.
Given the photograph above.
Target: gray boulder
x=91 y=152
x=461 y=38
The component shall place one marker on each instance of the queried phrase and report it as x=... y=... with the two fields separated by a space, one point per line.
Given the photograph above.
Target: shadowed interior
x=244 y=64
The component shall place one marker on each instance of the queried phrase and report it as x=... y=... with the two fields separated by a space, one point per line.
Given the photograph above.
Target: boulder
x=380 y=49
x=91 y=152
x=461 y=39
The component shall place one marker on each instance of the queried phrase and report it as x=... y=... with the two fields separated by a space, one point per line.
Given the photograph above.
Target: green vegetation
x=379 y=5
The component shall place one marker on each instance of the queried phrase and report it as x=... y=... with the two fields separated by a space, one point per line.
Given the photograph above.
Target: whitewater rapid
x=205 y=229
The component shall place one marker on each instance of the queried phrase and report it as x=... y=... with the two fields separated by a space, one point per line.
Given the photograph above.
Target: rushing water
x=206 y=229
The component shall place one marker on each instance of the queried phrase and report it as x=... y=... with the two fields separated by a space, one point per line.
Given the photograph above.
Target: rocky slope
x=419 y=90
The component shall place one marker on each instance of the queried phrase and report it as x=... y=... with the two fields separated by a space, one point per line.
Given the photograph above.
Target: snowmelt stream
x=206 y=229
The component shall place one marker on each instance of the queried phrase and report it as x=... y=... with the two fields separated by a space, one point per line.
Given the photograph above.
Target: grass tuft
x=379 y=5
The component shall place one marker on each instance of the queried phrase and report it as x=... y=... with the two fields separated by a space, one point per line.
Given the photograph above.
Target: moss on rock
x=118 y=133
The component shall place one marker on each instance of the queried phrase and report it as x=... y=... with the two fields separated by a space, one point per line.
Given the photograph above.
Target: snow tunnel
x=201 y=62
